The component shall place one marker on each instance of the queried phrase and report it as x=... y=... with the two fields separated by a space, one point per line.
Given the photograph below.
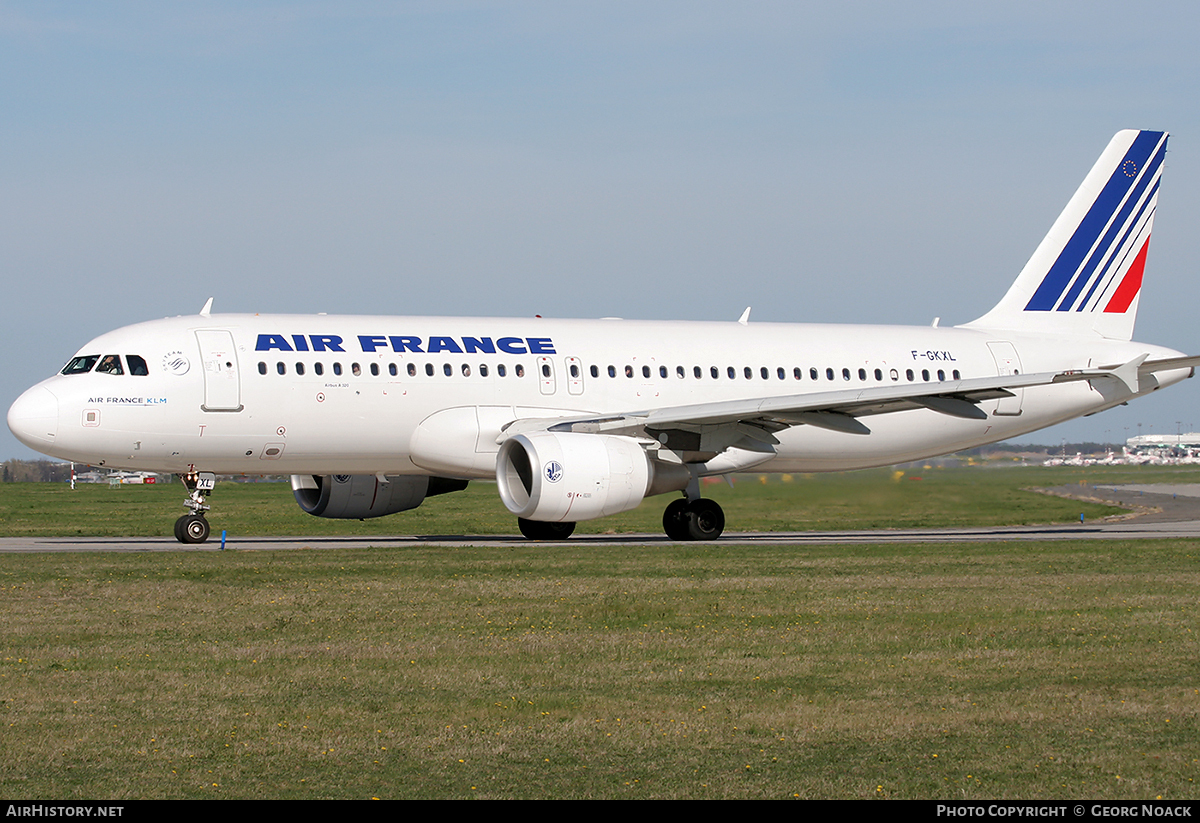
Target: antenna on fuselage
x=204 y=312
x=745 y=318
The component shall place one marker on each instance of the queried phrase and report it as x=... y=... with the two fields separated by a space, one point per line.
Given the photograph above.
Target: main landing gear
x=193 y=527
x=699 y=519
x=539 y=530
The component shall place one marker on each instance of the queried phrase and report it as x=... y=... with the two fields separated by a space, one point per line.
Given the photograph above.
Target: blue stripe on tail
x=1134 y=171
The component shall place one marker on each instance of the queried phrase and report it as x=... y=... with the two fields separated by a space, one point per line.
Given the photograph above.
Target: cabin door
x=1007 y=362
x=222 y=387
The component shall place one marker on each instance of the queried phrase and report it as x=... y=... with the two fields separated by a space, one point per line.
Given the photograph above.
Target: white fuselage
x=304 y=394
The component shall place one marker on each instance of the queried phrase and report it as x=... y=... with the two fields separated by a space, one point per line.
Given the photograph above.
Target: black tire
x=675 y=520
x=706 y=521
x=179 y=529
x=540 y=530
x=195 y=529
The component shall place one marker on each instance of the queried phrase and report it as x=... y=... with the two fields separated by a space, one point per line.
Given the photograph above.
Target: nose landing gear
x=193 y=527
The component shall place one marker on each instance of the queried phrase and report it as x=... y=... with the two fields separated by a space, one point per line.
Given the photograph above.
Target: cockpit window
x=110 y=364
x=137 y=365
x=80 y=365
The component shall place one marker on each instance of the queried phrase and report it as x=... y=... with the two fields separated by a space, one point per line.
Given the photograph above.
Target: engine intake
x=567 y=477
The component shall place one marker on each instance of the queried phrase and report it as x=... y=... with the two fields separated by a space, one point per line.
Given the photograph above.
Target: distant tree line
x=34 y=471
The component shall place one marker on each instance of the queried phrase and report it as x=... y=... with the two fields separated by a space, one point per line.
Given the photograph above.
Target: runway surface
x=1155 y=512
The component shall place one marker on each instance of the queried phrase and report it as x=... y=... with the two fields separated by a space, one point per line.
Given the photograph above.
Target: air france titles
x=407 y=343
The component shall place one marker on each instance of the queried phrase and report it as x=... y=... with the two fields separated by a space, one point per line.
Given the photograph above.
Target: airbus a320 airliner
x=580 y=419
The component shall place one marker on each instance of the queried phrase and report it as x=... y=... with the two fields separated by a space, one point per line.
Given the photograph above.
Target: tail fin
x=1086 y=274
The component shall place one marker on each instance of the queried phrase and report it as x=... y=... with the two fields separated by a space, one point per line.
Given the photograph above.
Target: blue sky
x=852 y=162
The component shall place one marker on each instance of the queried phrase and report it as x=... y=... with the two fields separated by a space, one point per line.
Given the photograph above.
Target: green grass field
x=1000 y=670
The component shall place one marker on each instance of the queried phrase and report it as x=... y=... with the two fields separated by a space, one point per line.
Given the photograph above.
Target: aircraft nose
x=34 y=418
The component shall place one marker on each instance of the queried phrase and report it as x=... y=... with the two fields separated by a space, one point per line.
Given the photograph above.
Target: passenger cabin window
x=80 y=365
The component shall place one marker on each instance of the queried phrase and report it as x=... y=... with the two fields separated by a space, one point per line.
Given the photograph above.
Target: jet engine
x=567 y=477
x=359 y=496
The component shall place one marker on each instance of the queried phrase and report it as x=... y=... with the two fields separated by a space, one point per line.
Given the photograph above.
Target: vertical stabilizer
x=1086 y=275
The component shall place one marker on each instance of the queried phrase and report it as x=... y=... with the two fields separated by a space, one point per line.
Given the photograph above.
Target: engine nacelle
x=567 y=477
x=359 y=496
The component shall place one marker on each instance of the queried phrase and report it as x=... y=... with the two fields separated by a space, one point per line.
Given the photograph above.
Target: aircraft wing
x=749 y=423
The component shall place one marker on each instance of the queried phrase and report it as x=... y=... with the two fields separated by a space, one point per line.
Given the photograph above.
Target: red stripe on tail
x=1130 y=285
